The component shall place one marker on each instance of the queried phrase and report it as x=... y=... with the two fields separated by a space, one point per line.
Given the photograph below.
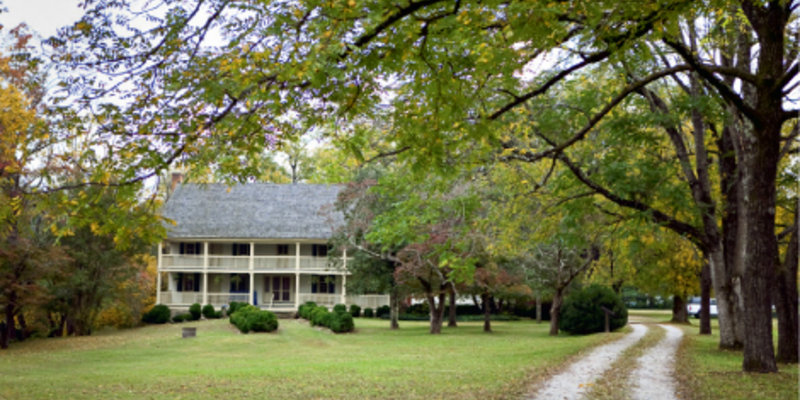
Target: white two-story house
x=265 y=244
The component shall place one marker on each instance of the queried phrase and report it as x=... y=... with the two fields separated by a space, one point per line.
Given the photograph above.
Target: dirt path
x=652 y=379
x=573 y=383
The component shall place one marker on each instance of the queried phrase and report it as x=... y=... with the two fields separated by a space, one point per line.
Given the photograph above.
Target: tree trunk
x=436 y=312
x=539 y=308
x=487 y=315
x=786 y=301
x=725 y=300
x=8 y=328
x=23 y=327
x=451 y=314
x=705 y=297
x=555 y=312
x=679 y=314
x=394 y=307
x=733 y=225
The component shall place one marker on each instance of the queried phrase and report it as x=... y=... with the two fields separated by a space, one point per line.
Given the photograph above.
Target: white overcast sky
x=43 y=16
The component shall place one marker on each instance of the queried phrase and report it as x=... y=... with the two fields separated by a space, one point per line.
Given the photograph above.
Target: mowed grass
x=705 y=372
x=296 y=362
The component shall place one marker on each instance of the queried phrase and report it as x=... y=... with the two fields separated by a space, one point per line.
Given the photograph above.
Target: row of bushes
x=160 y=314
x=251 y=318
x=339 y=320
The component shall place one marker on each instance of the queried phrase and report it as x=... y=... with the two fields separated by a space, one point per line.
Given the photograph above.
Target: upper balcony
x=257 y=257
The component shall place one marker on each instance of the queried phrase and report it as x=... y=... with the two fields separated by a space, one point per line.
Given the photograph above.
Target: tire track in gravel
x=653 y=377
x=575 y=381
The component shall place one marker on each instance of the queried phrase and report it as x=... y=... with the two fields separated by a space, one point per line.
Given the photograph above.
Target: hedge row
x=250 y=318
x=338 y=321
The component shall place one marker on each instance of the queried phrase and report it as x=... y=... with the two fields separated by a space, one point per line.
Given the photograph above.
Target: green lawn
x=296 y=362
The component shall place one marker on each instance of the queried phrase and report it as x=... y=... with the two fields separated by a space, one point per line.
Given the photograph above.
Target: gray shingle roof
x=253 y=211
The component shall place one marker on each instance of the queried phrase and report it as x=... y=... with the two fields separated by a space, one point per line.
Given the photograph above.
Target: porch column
x=250 y=264
x=297 y=275
x=158 y=276
x=344 y=276
x=205 y=273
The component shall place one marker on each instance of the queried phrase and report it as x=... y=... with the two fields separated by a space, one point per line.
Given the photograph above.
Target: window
x=188 y=282
x=323 y=284
x=191 y=248
x=319 y=250
x=241 y=249
x=283 y=249
x=240 y=283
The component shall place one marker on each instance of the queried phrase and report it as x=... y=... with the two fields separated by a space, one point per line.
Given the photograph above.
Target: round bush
x=159 y=314
x=355 y=310
x=250 y=318
x=208 y=311
x=234 y=306
x=319 y=317
x=182 y=317
x=339 y=308
x=194 y=312
x=368 y=313
x=341 y=322
x=582 y=312
x=305 y=310
x=383 y=310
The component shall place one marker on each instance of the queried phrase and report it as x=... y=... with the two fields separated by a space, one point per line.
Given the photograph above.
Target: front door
x=279 y=288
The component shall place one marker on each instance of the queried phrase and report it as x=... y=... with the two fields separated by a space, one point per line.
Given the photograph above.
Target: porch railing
x=182 y=261
x=181 y=298
x=219 y=299
x=261 y=263
x=242 y=263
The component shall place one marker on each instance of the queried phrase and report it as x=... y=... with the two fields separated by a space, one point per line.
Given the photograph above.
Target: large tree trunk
x=679 y=314
x=705 y=297
x=555 y=311
x=786 y=301
x=394 y=307
x=451 y=315
x=436 y=312
x=733 y=225
x=487 y=314
x=726 y=301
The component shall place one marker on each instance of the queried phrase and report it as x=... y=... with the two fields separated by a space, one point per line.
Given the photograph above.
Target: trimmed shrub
x=209 y=313
x=159 y=314
x=234 y=306
x=304 y=311
x=182 y=317
x=340 y=322
x=355 y=310
x=339 y=308
x=194 y=312
x=250 y=318
x=319 y=317
x=582 y=312
x=383 y=310
x=368 y=313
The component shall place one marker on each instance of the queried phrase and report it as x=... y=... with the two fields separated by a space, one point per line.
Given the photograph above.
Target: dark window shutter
x=197 y=282
x=197 y=248
x=183 y=249
x=180 y=279
x=314 y=286
x=332 y=284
